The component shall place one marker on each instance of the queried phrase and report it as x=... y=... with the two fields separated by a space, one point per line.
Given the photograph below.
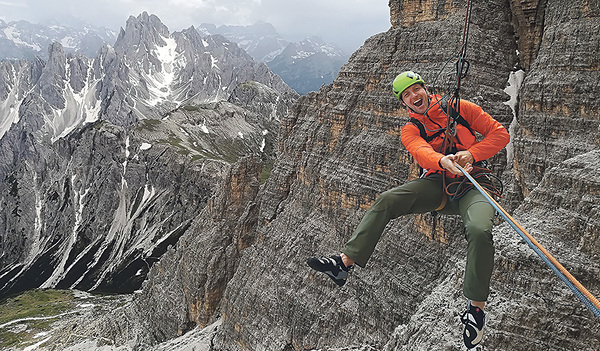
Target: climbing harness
x=491 y=182
x=576 y=287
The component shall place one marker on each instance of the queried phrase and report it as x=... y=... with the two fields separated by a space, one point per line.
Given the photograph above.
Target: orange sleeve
x=420 y=149
x=495 y=136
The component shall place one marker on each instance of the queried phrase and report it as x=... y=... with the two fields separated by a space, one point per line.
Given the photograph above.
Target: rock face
x=558 y=114
x=242 y=268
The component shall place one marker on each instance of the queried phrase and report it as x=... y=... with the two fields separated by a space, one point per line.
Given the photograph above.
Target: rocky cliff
x=241 y=270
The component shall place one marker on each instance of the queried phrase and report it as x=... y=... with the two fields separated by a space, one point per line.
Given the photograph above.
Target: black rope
x=484 y=176
x=462 y=67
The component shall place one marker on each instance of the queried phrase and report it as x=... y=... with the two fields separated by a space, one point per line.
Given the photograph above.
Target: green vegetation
x=36 y=310
x=226 y=150
x=191 y=108
x=36 y=303
x=149 y=124
x=266 y=172
x=99 y=124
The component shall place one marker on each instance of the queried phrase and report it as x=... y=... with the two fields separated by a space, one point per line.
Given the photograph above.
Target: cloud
x=347 y=23
x=12 y=4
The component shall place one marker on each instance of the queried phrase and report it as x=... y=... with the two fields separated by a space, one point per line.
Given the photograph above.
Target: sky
x=347 y=23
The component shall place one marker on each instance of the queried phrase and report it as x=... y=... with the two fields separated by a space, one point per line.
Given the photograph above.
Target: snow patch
x=159 y=83
x=204 y=128
x=69 y=42
x=213 y=62
x=515 y=81
x=145 y=146
x=302 y=55
x=264 y=141
x=36 y=345
x=9 y=108
x=80 y=108
x=127 y=153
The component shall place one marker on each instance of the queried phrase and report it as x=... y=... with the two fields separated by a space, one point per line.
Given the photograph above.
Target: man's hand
x=448 y=162
x=463 y=158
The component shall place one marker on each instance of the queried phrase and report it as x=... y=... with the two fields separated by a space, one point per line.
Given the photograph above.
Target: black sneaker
x=332 y=266
x=473 y=319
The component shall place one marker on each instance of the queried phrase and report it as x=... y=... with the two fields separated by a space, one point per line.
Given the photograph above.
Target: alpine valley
x=176 y=171
x=105 y=162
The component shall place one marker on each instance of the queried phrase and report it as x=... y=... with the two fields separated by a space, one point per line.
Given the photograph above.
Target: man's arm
x=495 y=136
x=420 y=149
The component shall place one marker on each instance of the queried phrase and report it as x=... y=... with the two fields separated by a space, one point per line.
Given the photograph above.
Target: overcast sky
x=347 y=23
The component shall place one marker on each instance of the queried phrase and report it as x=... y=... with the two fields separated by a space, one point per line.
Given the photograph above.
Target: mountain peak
x=142 y=26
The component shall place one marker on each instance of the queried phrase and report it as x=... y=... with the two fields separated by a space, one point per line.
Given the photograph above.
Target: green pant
x=421 y=196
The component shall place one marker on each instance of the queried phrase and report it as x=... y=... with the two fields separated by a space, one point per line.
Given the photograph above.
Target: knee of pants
x=478 y=233
x=384 y=201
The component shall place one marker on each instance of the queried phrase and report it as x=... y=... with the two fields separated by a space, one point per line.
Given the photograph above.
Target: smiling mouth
x=418 y=103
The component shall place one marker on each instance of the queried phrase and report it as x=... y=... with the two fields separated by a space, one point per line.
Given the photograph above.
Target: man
x=437 y=151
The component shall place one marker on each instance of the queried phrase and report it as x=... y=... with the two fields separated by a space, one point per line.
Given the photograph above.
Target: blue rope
x=555 y=269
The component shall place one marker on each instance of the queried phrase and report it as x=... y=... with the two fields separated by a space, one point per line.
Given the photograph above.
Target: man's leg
x=418 y=196
x=478 y=216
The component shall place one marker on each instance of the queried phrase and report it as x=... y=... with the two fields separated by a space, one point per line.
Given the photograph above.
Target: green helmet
x=403 y=81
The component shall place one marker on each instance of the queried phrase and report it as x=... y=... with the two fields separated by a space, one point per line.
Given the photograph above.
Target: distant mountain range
x=309 y=64
x=24 y=40
x=261 y=40
x=305 y=66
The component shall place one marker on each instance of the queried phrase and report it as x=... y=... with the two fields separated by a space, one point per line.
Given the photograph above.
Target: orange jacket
x=427 y=154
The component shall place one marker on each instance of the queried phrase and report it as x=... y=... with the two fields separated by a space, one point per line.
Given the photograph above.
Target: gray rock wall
x=559 y=108
x=340 y=147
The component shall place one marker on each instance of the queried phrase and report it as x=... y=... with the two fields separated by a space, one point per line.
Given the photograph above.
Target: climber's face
x=415 y=98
